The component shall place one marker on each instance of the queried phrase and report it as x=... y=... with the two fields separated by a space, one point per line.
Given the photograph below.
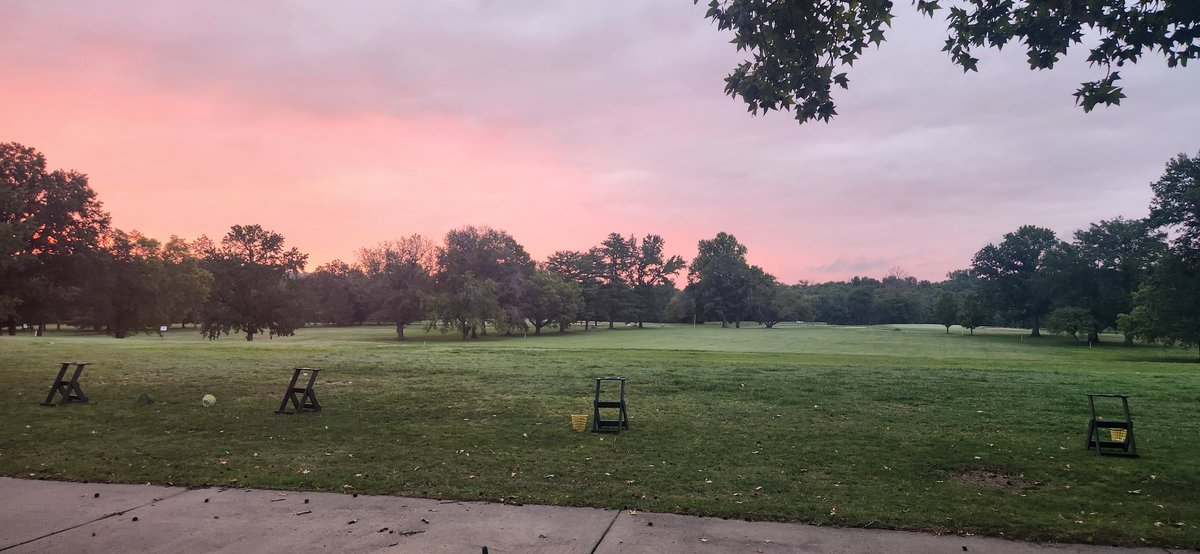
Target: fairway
x=902 y=427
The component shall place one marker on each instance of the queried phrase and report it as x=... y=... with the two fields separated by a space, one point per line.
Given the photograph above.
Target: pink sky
x=340 y=126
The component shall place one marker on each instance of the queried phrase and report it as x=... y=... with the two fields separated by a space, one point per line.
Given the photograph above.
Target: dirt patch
x=994 y=480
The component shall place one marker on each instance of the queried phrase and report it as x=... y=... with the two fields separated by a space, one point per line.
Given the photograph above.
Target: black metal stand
x=307 y=402
x=1120 y=440
x=69 y=389
x=609 y=425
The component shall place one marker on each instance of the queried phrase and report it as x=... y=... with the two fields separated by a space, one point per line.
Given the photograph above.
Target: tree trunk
x=587 y=325
x=1036 y=328
x=610 y=323
x=41 y=329
x=537 y=328
x=947 y=329
x=474 y=332
x=12 y=325
x=249 y=336
x=737 y=324
x=399 y=330
x=1128 y=340
x=1093 y=338
x=640 y=323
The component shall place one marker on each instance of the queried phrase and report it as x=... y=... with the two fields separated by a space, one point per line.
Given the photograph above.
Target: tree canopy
x=1176 y=204
x=48 y=220
x=399 y=279
x=253 y=290
x=799 y=50
x=1013 y=273
x=720 y=279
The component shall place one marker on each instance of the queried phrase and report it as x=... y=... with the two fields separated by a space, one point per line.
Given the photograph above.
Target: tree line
x=65 y=263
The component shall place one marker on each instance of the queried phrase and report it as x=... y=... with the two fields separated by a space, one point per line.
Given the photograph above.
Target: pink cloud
x=560 y=123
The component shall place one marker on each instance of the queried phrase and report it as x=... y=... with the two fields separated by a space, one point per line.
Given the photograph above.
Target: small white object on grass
x=208 y=400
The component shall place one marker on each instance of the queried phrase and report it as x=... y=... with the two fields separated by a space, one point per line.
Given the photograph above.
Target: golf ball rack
x=1120 y=440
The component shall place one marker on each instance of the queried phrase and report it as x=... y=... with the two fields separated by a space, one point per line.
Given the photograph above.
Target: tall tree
x=399 y=279
x=472 y=256
x=763 y=298
x=1099 y=271
x=585 y=269
x=186 y=283
x=794 y=303
x=945 y=311
x=469 y=306
x=1176 y=203
x=1012 y=274
x=618 y=258
x=1167 y=304
x=653 y=277
x=552 y=299
x=136 y=284
x=800 y=49
x=720 y=278
x=335 y=294
x=1070 y=320
x=974 y=311
x=254 y=288
x=48 y=222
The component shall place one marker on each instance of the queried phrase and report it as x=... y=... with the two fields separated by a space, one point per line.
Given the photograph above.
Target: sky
x=344 y=124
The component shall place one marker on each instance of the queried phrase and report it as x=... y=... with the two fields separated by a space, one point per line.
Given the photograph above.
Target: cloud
x=561 y=122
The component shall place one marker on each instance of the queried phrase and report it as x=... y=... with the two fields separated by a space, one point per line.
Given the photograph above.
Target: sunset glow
x=563 y=122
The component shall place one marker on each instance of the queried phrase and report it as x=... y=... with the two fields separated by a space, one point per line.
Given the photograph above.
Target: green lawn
x=888 y=427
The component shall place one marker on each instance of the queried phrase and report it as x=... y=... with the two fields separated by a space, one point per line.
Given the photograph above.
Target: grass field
x=884 y=427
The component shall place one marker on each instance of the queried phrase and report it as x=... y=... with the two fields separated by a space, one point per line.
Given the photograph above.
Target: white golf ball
x=208 y=400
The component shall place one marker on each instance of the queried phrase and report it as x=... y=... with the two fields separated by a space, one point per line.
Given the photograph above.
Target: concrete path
x=46 y=516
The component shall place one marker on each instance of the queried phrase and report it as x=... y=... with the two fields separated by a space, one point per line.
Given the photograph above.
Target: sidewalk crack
x=101 y=518
x=605 y=533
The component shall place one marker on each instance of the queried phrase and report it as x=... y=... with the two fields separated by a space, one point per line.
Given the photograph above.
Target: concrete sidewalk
x=45 y=516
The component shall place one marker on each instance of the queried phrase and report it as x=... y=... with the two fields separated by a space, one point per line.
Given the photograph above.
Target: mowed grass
x=901 y=427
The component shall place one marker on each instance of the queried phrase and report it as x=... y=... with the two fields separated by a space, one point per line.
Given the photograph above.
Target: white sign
x=162 y=329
